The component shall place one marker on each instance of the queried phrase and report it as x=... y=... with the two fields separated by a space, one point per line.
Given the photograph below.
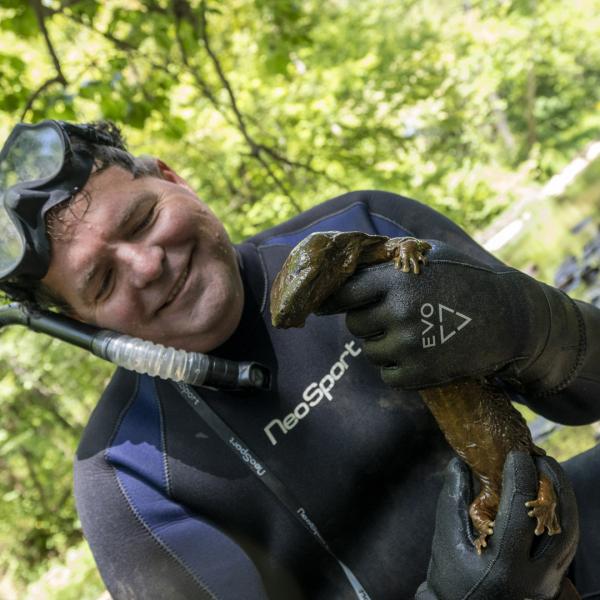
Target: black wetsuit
x=172 y=510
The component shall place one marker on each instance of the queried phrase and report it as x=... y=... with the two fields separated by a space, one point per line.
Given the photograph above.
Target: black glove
x=459 y=318
x=516 y=564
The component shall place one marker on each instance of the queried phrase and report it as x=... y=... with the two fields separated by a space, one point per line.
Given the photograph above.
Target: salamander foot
x=543 y=508
x=407 y=253
x=482 y=512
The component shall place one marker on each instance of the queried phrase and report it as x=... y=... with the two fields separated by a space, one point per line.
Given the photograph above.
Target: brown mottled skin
x=477 y=419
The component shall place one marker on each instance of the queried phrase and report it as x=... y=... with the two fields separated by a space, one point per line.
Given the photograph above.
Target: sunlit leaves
x=18 y=18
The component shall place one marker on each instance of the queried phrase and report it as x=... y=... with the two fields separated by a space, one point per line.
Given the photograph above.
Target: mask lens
x=11 y=248
x=33 y=155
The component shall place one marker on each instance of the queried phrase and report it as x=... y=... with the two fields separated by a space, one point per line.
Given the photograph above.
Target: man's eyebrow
x=122 y=220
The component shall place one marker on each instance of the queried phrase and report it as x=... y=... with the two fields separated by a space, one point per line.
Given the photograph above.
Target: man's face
x=145 y=257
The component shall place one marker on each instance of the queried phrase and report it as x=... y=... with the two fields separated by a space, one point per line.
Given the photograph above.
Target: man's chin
x=210 y=323
x=204 y=339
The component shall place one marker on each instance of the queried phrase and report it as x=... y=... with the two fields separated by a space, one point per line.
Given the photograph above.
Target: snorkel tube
x=140 y=355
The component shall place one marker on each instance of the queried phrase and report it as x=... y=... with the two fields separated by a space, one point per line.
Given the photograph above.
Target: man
x=326 y=485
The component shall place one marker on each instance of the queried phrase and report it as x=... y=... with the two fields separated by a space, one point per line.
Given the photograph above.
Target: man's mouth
x=177 y=287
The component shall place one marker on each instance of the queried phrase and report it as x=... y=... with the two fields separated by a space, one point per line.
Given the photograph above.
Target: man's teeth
x=178 y=286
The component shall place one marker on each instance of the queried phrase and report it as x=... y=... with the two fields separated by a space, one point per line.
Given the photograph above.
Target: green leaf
x=23 y=23
x=92 y=89
x=18 y=440
x=137 y=113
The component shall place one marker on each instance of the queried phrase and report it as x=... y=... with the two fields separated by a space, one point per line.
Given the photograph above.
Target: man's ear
x=169 y=175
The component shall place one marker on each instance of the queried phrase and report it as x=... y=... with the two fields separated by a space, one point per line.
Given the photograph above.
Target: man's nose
x=144 y=263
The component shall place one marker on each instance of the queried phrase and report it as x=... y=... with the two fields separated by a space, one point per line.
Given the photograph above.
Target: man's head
x=136 y=251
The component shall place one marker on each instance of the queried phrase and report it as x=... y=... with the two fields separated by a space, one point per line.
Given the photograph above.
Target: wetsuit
x=174 y=508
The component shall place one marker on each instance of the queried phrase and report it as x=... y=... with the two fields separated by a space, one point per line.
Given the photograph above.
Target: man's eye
x=146 y=220
x=105 y=286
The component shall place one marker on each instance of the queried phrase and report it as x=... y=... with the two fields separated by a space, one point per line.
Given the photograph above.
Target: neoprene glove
x=460 y=317
x=516 y=565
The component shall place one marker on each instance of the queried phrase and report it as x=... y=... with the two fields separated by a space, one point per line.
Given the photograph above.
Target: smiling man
x=324 y=486
x=146 y=256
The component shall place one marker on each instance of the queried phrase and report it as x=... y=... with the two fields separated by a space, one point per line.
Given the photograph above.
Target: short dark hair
x=24 y=289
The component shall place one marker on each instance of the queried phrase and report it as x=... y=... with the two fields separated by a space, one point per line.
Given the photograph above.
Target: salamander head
x=315 y=268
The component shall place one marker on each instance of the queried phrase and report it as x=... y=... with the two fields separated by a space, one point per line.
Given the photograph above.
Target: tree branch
x=502 y=125
x=255 y=148
x=278 y=182
x=120 y=44
x=202 y=84
x=182 y=11
x=37 y=93
x=302 y=165
x=37 y=7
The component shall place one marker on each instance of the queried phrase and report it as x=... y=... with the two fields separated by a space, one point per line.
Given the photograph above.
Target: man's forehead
x=112 y=190
x=110 y=180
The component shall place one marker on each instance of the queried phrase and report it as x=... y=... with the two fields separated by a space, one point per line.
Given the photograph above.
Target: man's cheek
x=120 y=317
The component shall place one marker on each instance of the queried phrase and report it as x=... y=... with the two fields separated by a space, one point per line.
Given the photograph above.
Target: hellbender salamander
x=477 y=419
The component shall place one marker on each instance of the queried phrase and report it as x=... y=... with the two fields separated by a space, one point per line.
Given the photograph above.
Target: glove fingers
x=368 y=323
x=374 y=322
x=411 y=375
x=424 y=593
x=366 y=286
x=513 y=526
x=399 y=376
x=452 y=515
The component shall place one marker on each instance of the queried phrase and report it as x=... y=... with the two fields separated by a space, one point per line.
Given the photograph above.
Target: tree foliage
x=267 y=107
x=46 y=392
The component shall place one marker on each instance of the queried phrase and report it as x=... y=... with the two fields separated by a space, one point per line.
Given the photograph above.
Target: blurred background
x=487 y=110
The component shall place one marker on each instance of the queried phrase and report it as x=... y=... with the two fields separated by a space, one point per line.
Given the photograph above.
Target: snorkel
x=38 y=170
x=139 y=355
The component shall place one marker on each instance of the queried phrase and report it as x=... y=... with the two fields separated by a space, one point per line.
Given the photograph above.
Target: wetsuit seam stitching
x=135 y=513
x=199 y=582
x=263 y=302
x=269 y=246
x=119 y=421
x=389 y=220
x=163 y=441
